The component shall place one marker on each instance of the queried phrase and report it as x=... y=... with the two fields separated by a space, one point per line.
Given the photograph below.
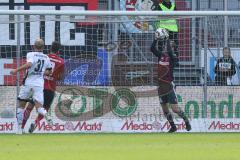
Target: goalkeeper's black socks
x=188 y=125
x=169 y=117
x=172 y=129
x=184 y=117
x=170 y=120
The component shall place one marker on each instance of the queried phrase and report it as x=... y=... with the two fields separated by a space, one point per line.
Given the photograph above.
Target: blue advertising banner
x=87 y=69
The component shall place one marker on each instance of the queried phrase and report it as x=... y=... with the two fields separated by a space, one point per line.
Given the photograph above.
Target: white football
x=161 y=33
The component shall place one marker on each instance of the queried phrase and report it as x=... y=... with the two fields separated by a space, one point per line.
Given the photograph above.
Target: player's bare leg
x=40 y=117
x=20 y=111
x=27 y=113
x=43 y=112
x=37 y=121
x=176 y=109
x=169 y=117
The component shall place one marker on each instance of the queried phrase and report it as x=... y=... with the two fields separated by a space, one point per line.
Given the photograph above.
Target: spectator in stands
x=169 y=24
x=225 y=68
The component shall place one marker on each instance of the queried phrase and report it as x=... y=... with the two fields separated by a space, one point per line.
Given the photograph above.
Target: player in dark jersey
x=162 y=48
x=49 y=85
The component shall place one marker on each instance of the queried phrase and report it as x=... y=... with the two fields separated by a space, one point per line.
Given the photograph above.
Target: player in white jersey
x=37 y=65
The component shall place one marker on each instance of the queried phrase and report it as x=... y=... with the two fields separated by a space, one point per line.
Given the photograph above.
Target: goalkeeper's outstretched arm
x=155 y=48
x=158 y=46
x=172 y=55
x=170 y=50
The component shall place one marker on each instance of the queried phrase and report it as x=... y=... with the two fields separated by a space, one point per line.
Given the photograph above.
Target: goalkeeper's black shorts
x=167 y=93
x=48 y=98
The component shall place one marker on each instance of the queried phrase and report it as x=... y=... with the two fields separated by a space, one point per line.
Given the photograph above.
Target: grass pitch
x=221 y=146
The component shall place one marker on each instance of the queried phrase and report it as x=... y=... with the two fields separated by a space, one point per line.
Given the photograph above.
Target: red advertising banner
x=6 y=65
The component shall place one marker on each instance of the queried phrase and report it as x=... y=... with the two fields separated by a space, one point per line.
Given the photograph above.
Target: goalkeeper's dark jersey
x=165 y=68
x=165 y=62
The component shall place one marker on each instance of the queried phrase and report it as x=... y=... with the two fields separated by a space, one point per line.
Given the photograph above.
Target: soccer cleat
x=172 y=129
x=49 y=120
x=19 y=129
x=188 y=126
x=32 y=128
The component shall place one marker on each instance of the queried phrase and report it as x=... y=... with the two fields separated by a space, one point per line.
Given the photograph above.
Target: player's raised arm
x=27 y=65
x=23 y=67
x=154 y=49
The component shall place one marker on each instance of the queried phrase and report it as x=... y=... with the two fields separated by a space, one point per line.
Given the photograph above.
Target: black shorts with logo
x=48 y=98
x=167 y=94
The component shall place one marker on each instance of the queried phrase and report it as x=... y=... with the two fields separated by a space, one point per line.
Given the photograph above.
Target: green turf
x=120 y=147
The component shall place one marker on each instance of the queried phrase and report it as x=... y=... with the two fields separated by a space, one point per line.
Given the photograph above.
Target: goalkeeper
x=162 y=48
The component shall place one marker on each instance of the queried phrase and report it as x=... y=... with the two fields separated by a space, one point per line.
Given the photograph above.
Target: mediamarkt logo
x=69 y=126
x=6 y=126
x=150 y=126
x=224 y=126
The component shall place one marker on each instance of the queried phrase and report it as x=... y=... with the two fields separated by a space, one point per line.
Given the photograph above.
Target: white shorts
x=27 y=92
